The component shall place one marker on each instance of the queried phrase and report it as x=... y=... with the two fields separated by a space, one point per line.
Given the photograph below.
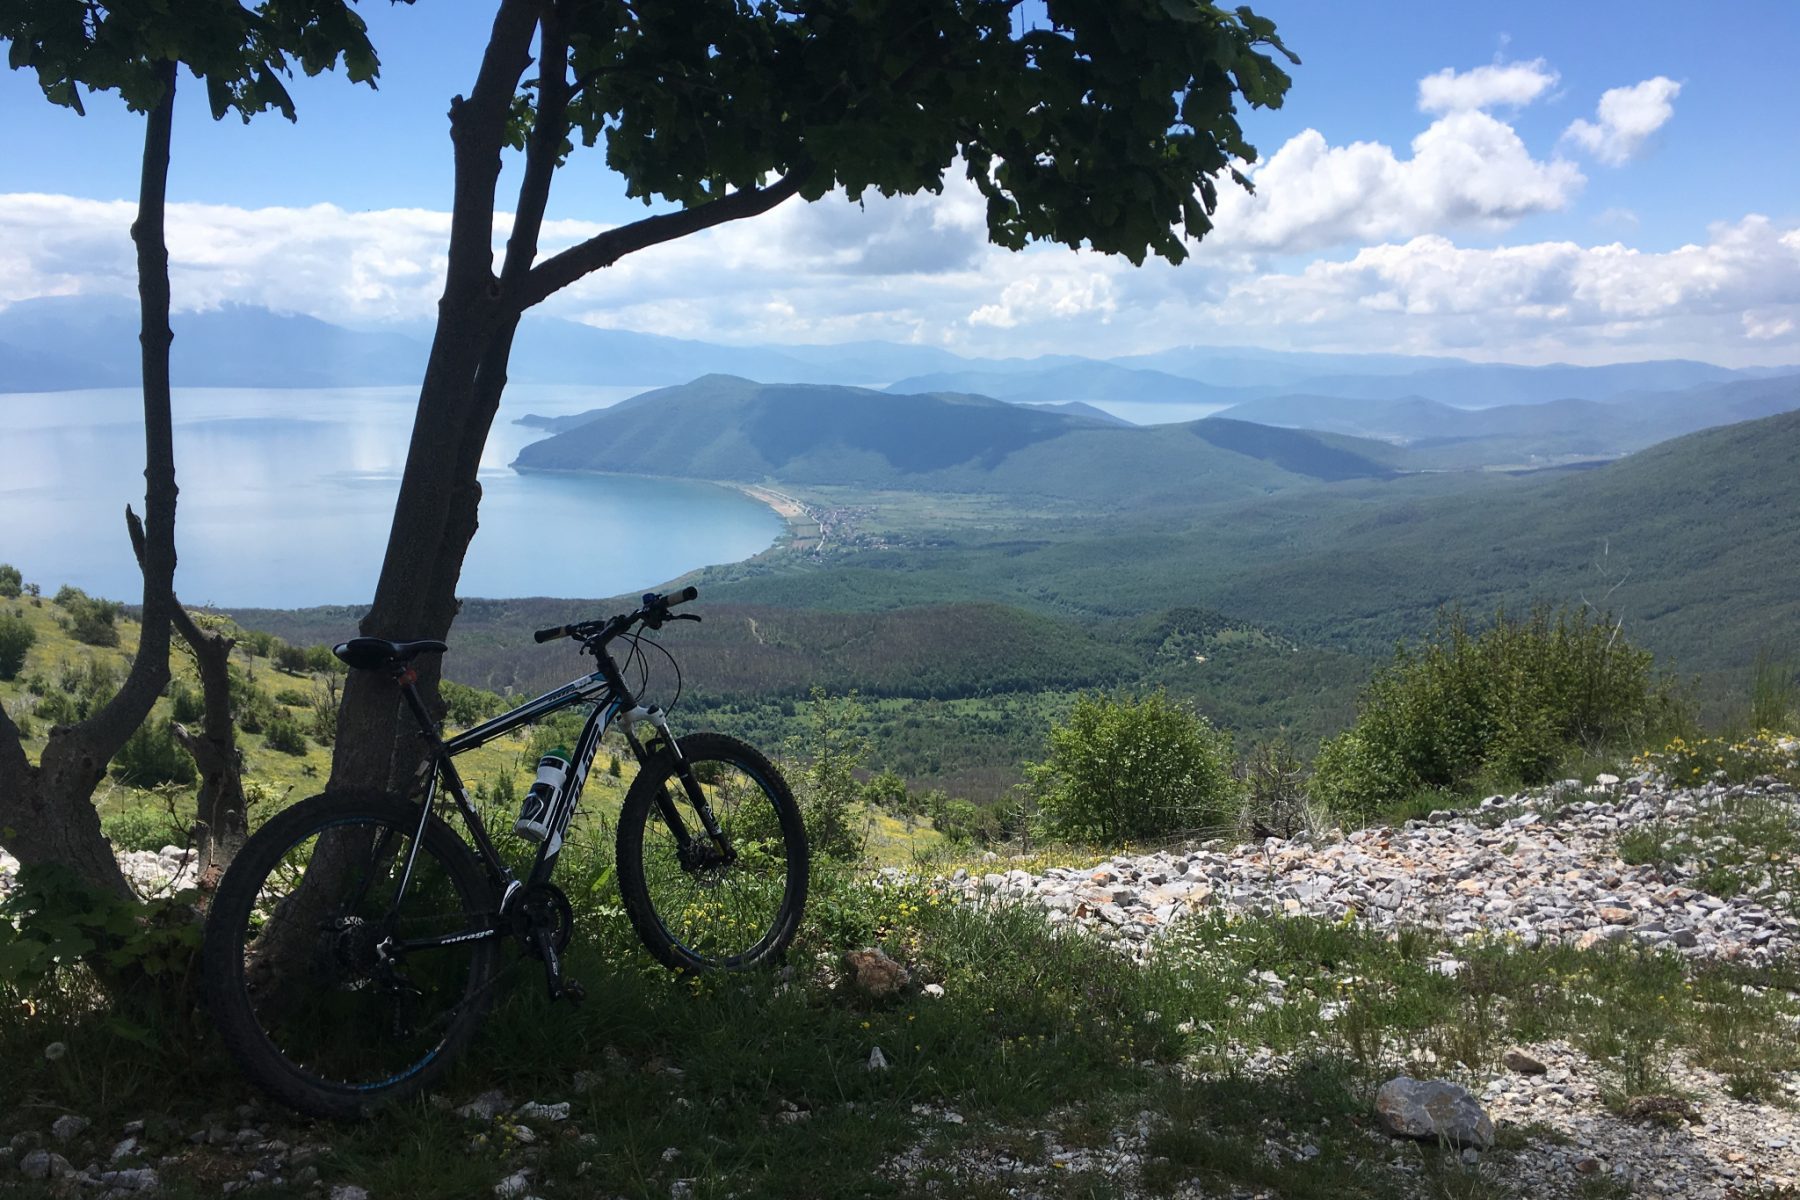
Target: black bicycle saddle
x=372 y=654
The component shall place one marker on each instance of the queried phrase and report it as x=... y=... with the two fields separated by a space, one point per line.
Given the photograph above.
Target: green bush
x=16 y=638
x=12 y=582
x=1123 y=768
x=87 y=619
x=58 y=708
x=151 y=756
x=258 y=644
x=142 y=827
x=187 y=705
x=293 y=698
x=828 y=756
x=323 y=714
x=1511 y=703
x=468 y=706
x=320 y=660
x=251 y=707
x=283 y=733
x=291 y=659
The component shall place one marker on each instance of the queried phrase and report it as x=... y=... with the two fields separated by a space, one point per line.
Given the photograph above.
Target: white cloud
x=1767 y=326
x=1626 y=118
x=1050 y=296
x=805 y=273
x=1511 y=84
x=1542 y=301
x=1468 y=169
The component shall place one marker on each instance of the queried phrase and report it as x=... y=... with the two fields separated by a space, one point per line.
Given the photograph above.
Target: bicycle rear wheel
x=697 y=907
x=308 y=969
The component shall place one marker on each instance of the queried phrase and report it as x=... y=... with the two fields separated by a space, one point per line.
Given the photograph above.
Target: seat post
x=408 y=679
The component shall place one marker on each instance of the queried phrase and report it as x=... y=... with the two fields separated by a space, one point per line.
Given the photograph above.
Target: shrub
x=321 y=661
x=87 y=619
x=830 y=753
x=283 y=733
x=257 y=644
x=151 y=756
x=1122 y=768
x=466 y=705
x=1772 y=692
x=291 y=659
x=1512 y=702
x=58 y=708
x=1274 y=796
x=142 y=827
x=324 y=714
x=12 y=583
x=251 y=707
x=960 y=821
x=186 y=704
x=293 y=698
x=16 y=638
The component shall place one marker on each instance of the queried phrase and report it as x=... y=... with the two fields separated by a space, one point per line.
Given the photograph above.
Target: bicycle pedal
x=573 y=991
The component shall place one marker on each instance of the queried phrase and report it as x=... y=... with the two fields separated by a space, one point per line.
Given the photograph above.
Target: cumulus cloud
x=1543 y=300
x=919 y=270
x=1059 y=295
x=1625 y=119
x=1468 y=169
x=1513 y=85
x=320 y=260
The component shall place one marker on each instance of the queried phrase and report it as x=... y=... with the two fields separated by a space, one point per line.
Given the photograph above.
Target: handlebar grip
x=544 y=635
x=681 y=597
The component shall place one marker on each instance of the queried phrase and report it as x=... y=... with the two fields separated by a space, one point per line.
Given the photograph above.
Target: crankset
x=544 y=907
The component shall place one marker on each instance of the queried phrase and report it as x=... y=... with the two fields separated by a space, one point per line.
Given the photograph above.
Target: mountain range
x=1440 y=436
x=65 y=342
x=725 y=427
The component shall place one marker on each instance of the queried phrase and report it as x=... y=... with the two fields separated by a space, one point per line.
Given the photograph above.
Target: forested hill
x=1449 y=436
x=1695 y=542
x=726 y=428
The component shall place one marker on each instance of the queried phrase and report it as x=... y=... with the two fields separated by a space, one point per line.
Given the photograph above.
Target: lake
x=287 y=495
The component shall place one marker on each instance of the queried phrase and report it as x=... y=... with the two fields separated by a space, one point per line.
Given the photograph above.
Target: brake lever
x=682 y=617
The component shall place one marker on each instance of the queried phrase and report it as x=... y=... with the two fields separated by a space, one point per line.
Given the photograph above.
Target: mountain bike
x=354 y=943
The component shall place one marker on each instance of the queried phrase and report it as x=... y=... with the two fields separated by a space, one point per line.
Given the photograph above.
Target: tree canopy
x=240 y=53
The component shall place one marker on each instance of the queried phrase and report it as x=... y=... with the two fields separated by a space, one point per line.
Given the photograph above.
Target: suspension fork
x=684 y=771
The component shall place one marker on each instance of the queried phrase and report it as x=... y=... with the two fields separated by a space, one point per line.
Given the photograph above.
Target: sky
x=1531 y=182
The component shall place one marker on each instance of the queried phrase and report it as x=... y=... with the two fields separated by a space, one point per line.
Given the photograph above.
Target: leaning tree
x=240 y=53
x=1107 y=124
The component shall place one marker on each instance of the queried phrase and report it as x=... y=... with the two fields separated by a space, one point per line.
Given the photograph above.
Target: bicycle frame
x=609 y=699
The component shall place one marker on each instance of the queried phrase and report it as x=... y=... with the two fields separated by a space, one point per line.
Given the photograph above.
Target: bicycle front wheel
x=698 y=905
x=331 y=962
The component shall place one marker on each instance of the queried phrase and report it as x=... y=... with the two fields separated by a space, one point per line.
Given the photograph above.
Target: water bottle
x=540 y=802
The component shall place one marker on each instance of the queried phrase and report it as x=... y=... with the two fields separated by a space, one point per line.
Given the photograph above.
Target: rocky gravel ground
x=1537 y=865
x=151 y=872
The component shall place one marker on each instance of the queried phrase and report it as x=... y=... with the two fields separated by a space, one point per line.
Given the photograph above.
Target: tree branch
x=604 y=249
x=542 y=149
x=15 y=766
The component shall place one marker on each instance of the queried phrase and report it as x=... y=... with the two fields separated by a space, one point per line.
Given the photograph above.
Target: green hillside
x=1439 y=436
x=722 y=428
x=1696 y=542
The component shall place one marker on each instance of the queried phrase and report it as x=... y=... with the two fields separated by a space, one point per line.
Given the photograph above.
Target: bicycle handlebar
x=653 y=610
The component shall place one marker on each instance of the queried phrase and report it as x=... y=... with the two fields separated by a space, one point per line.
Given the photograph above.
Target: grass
x=1735 y=842
x=1047 y=1046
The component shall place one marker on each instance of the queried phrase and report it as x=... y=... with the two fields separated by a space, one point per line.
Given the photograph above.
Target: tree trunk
x=46 y=812
x=435 y=517
x=220 y=826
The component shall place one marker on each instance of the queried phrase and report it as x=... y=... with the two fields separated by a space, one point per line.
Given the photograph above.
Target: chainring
x=544 y=906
